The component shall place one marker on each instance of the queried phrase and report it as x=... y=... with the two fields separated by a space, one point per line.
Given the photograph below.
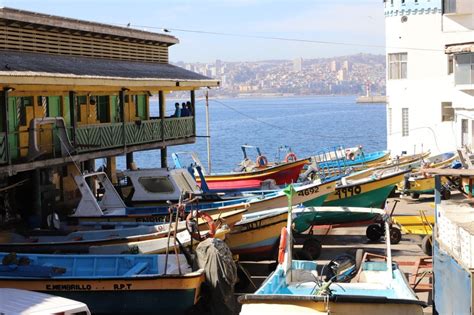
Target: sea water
x=306 y=124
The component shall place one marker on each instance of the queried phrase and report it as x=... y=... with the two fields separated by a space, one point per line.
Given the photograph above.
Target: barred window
x=397 y=66
x=405 y=130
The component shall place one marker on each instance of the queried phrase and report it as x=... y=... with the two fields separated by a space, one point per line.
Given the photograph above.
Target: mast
x=208 y=136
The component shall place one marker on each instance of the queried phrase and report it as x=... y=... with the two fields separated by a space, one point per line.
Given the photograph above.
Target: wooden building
x=73 y=91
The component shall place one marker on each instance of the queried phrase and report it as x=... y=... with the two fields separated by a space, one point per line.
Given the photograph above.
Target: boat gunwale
x=249 y=175
x=142 y=277
x=249 y=298
x=369 y=179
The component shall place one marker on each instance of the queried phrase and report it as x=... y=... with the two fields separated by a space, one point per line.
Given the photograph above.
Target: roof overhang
x=75 y=72
x=459 y=48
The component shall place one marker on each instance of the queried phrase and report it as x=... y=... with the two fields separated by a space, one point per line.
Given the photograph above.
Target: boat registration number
x=308 y=191
x=348 y=191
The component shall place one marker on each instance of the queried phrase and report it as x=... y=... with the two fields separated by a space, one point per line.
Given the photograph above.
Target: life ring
x=262 y=161
x=282 y=247
x=290 y=157
x=193 y=228
x=350 y=155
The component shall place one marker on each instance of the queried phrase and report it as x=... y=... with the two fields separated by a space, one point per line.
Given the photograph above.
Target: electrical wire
x=286 y=39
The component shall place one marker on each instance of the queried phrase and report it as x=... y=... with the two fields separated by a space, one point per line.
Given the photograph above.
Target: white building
x=298 y=64
x=430 y=74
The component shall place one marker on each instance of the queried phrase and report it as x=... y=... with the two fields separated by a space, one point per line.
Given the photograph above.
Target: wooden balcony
x=113 y=135
x=98 y=140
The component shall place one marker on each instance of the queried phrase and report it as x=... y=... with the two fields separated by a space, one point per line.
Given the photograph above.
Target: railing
x=3 y=148
x=111 y=135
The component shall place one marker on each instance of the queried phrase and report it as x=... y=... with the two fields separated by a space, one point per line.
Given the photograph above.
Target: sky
x=359 y=23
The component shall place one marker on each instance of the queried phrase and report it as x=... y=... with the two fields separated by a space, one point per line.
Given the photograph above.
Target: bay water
x=306 y=124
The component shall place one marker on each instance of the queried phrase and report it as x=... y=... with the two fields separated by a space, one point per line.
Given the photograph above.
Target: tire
x=415 y=195
x=445 y=194
x=426 y=245
x=301 y=254
x=395 y=235
x=374 y=232
x=313 y=247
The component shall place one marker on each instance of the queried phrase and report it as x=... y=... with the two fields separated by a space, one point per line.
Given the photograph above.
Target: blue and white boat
x=110 y=284
x=368 y=284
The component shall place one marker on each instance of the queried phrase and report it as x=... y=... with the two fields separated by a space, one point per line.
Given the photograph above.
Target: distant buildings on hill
x=348 y=75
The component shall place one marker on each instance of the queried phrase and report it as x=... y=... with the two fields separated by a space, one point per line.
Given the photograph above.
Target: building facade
x=73 y=91
x=430 y=86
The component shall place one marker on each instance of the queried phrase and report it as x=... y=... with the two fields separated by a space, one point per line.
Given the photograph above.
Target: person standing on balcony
x=177 y=110
x=184 y=110
x=190 y=108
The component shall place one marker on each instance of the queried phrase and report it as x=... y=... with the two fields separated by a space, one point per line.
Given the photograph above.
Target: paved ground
x=348 y=240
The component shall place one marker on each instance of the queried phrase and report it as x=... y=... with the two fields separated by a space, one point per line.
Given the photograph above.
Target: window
x=397 y=66
x=157 y=184
x=389 y=118
x=450 y=64
x=464 y=132
x=449 y=6
x=464 y=70
x=447 y=111
x=405 y=122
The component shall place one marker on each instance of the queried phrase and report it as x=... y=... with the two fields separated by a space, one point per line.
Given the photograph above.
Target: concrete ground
x=348 y=240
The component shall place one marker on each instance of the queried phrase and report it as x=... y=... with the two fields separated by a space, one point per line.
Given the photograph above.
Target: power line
x=286 y=39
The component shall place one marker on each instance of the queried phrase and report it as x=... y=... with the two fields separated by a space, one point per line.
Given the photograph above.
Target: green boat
x=306 y=217
x=371 y=191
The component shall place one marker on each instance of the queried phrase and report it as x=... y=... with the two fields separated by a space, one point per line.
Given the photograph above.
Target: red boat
x=284 y=173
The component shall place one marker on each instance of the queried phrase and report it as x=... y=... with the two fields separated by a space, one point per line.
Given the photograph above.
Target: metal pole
x=164 y=151
x=4 y=109
x=208 y=135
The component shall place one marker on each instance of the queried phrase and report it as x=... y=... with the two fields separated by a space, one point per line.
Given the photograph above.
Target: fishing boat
x=80 y=241
x=282 y=174
x=257 y=234
x=111 y=207
x=419 y=183
x=367 y=284
x=305 y=218
x=370 y=191
x=179 y=241
x=110 y=284
x=402 y=162
x=350 y=158
x=90 y=240
x=159 y=186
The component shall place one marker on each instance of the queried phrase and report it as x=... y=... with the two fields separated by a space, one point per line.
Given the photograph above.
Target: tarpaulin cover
x=215 y=257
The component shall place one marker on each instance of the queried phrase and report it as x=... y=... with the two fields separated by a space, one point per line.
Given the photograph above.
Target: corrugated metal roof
x=16 y=63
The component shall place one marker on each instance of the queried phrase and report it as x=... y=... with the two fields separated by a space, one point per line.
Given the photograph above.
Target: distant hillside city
x=346 y=75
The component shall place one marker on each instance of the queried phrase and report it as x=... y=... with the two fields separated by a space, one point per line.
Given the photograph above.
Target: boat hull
x=371 y=194
x=157 y=294
x=282 y=174
x=257 y=238
x=335 y=216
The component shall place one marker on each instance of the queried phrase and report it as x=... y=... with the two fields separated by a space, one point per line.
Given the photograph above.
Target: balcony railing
x=112 y=135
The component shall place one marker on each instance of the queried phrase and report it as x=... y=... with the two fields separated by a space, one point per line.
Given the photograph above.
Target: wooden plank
x=71 y=25
x=449 y=172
